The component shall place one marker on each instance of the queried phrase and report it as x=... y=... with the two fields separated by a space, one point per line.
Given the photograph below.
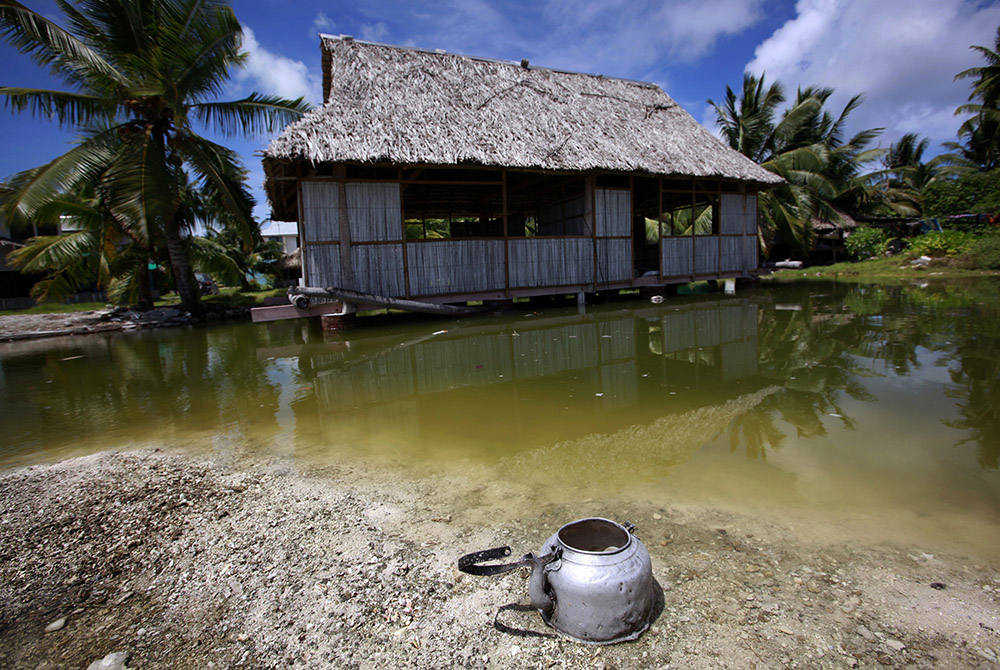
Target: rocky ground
x=172 y=561
x=33 y=326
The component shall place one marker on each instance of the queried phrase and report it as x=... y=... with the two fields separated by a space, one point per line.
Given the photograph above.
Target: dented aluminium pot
x=592 y=582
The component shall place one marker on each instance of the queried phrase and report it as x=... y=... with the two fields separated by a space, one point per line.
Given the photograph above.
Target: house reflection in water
x=519 y=382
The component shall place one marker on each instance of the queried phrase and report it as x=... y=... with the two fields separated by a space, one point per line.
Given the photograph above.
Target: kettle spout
x=538 y=583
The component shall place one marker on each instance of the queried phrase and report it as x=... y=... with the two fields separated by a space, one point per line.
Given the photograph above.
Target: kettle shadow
x=528 y=615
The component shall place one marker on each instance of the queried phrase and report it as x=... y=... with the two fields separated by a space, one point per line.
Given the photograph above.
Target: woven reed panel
x=374 y=212
x=551 y=262
x=322 y=265
x=612 y=212
x=751 y=255
x=676 y=256
x=732 y=254
x=320 y=212
x=733 y=212
x=455 y=266
x=378 y=269
x=614 y=260
x=706 y=255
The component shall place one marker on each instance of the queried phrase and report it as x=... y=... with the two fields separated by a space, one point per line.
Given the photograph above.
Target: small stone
x=812 y=587
x=940 y=586
x=657 y=516
x=114 y=661
x=56 y=625
x=895 y=645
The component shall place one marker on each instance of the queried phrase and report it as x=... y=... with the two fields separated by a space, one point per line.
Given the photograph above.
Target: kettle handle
x=470 y=562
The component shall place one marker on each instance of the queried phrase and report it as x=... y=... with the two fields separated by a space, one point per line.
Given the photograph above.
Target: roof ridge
x=483 y=59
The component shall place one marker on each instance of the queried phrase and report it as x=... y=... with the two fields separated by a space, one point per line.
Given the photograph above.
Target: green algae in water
x=867 y=411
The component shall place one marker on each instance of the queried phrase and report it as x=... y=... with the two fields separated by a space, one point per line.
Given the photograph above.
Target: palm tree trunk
x=183 y=275
x=145 y=287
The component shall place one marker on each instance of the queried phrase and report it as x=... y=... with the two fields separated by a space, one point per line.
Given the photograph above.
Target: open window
x=545 y=205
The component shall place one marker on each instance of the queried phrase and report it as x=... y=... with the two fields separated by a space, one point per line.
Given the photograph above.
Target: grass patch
x=895 y=267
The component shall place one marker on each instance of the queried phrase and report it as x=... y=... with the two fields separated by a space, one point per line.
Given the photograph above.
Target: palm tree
x=981 y=131
x=140 y=74
x=229 y=258
x=823 y=173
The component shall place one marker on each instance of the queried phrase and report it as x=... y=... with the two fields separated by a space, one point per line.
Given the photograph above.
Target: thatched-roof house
x=447 y=177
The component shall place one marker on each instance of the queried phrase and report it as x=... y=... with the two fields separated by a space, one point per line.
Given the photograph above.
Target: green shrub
x=941 y=243
x=866 y=243
x=986 y=252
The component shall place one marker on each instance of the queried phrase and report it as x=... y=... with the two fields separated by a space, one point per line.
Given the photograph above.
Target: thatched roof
x=290 y=261
x=832 y=228
x=388 y=104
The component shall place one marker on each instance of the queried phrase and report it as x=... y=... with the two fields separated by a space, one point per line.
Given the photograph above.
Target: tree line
x=828 y=174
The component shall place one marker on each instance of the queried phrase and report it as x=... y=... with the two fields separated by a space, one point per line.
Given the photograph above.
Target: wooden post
x=506 y=236
x=346 y=265
x=590 y=181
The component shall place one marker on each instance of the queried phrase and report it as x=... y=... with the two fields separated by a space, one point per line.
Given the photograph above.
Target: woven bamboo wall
x=551 y=262
x=614 y=260
x=731 y=257
x=320 y=211
x=322 y=262
x=378 y=269
x=455 y=266
x=612 y=212
x=374 y=213
x=706 y=255
x=751 y=252
x=677 y=256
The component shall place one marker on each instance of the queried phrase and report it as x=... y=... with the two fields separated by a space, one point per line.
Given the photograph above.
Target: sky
x=901 y=54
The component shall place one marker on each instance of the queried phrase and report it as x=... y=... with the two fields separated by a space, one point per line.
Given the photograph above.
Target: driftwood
x=382 y=301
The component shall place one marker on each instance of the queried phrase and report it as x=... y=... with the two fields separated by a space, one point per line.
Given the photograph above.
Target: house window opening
x=436 y=211
x=545 y=205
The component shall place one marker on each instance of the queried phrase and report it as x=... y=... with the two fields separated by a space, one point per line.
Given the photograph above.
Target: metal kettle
x=592 y=580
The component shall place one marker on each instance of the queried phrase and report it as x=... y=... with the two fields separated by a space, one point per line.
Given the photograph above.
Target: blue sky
x=903 y=54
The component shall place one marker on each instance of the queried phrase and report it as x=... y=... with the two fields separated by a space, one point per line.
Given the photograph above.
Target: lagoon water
x=848 y=413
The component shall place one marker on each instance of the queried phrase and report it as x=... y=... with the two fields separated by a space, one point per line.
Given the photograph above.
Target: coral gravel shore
x=174 y=561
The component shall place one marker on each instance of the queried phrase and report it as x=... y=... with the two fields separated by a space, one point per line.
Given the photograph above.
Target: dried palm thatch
x=833 y=228
x=291 y=261
x=386 y=104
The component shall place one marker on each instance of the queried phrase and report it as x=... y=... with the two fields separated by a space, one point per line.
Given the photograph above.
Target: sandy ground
x=38 y=326
x=18 y=325
x=184 y=562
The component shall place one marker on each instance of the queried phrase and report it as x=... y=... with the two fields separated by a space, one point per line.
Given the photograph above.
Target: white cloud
x=903 y=54
x=374 y=32
x=273 y=74
x=321 y=24
x=614 y=37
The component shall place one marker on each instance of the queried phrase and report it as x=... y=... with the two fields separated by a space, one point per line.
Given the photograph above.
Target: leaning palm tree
x=142 y=73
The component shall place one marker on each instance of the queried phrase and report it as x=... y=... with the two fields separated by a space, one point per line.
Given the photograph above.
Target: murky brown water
x=847 y=412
